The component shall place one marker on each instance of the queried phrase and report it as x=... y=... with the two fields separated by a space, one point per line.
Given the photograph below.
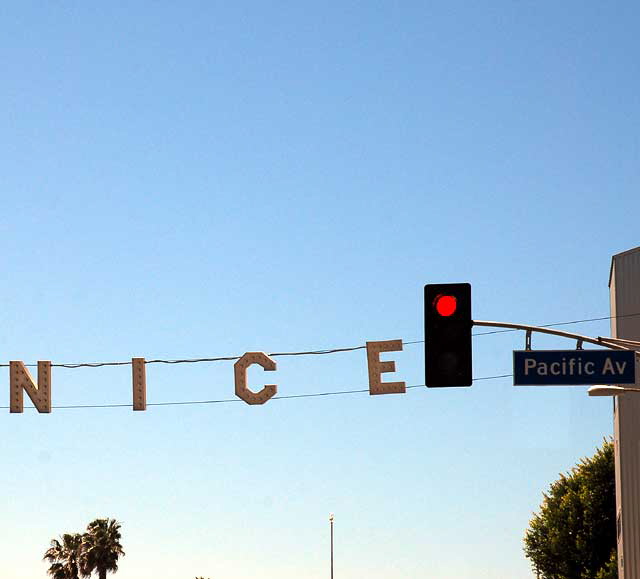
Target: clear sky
x=202 y=179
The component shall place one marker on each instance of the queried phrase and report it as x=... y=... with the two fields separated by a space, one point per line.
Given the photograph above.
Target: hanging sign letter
x=139 y=379
x=20 y=381
x=240 y=375
x=377 y=367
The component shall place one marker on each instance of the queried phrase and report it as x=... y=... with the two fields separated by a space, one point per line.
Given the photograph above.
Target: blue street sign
x=567 y=367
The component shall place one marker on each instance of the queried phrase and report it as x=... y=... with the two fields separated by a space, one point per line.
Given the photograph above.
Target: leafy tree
x=574 y=534
x=610 y=570
x=101 y=548
x=64 y=556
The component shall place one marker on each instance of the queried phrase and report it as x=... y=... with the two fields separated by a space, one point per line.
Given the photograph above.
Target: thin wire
x=228 y=358
x=227 y=400
x=196 y=360
x=304 y=353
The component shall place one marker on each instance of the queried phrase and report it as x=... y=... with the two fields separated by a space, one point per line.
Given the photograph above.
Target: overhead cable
x=227 y=400
x=302 y=353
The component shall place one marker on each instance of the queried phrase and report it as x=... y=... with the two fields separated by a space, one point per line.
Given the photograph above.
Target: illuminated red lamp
x=446 y=305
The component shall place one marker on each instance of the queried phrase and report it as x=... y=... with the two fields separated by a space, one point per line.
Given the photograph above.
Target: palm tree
x=101 y=548
x=64 y=556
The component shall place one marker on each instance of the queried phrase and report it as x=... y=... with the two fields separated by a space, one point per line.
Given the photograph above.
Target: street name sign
x=573 y=367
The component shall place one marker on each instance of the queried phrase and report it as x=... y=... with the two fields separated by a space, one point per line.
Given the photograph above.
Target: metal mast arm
x=612 y=343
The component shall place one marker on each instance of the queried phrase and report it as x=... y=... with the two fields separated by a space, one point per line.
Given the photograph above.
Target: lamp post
x=610 y=390
x=331 y=525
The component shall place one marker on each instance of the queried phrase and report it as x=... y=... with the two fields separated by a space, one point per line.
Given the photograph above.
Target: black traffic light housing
x=447 y=328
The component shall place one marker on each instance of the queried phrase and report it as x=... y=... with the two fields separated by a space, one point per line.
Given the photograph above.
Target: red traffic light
x=447 y=338
x=446 y=305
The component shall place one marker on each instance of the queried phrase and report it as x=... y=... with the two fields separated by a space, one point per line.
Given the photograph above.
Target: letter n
x=20 y=380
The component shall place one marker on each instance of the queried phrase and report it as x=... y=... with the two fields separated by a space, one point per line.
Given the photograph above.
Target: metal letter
x=20 y=380
x=240 y=376
x=376 y=368
x=139 y=377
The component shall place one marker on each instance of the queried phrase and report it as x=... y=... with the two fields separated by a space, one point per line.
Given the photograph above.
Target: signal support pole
x=624 y=291
x=331 y=523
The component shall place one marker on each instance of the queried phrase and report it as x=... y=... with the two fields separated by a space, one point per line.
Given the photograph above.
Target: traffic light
x=447 y=327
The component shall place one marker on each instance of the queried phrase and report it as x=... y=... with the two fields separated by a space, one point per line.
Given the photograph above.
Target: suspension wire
x=602 y=341
x=228 y=400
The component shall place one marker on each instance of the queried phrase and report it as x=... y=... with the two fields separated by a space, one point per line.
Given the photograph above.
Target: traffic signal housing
x=447 y=327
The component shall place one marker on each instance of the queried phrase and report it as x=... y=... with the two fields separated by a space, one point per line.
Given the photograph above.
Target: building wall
x=624 y=285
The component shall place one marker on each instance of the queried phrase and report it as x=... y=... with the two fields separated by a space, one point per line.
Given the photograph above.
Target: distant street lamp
x=610 y=390
x=331 y=524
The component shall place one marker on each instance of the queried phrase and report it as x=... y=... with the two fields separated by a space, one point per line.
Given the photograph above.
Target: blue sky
x=206 y=179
